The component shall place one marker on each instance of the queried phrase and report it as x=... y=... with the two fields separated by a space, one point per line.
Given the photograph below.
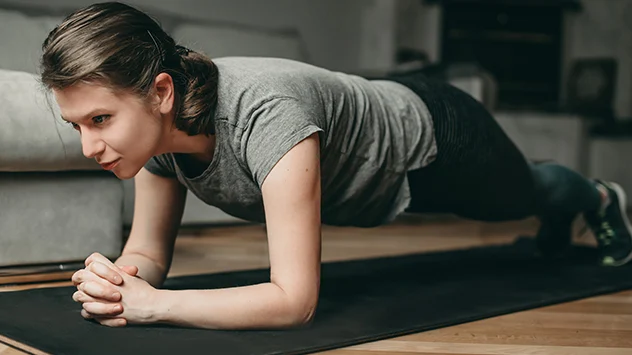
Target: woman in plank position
x=289 y=144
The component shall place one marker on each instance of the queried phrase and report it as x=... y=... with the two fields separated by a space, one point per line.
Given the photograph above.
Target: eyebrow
x=88 y=115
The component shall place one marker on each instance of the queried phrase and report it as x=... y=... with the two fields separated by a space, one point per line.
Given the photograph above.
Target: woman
x=288 y=144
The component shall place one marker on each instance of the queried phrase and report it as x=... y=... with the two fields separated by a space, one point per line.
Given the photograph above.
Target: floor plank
x=596 y=325
x=421 y=347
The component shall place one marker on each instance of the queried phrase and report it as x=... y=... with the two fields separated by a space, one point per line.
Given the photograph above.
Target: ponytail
x=198 y=96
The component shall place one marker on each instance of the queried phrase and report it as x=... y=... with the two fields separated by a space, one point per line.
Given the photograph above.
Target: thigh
x=479 y=172
x=474 y=192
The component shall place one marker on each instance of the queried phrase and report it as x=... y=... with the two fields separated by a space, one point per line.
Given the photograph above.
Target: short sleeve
x=274 y=129
x=161 y=165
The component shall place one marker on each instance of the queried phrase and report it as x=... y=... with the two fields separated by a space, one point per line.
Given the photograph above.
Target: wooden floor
x=599 y=325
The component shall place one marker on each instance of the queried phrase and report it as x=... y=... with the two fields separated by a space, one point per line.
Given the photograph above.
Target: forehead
x=74 y=95
x=81 y=99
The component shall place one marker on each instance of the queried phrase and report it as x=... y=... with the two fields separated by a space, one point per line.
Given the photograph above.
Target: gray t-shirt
x=371 y=132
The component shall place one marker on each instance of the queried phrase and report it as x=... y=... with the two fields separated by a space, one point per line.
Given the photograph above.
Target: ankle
x=604 y=196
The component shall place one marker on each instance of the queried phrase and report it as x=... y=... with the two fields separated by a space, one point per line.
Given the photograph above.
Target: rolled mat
x=360 y=301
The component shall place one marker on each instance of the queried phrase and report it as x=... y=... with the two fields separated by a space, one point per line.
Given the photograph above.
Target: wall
x=603 y=28
x=377 y=35
x=336 y=33
x=419 y=27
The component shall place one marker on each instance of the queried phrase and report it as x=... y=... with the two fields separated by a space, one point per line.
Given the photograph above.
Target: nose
x=91 y=144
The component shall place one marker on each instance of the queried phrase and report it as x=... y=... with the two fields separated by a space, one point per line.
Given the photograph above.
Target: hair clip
x=182 y=50
x=158 y=48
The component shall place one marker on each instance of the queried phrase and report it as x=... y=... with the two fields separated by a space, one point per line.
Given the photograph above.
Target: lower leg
x=562 y=194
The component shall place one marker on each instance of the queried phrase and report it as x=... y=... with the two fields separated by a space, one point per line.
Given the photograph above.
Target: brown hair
x=123 y=48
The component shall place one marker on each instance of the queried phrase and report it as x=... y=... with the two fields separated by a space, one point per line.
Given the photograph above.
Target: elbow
x=301 y=315
x=299 y=306
x=304 y=316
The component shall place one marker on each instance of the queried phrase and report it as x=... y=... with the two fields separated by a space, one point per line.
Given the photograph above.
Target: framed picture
x=591 y=87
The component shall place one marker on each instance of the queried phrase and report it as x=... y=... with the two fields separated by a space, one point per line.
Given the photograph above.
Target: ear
x=164 y=93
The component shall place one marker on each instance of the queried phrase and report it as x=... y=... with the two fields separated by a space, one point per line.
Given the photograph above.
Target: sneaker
x=611 y=226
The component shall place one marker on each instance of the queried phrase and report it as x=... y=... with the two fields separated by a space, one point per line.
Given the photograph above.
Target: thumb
x=129 y=269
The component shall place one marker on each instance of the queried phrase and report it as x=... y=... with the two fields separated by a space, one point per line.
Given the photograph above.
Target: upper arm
x=292 y=198
x=158 y=207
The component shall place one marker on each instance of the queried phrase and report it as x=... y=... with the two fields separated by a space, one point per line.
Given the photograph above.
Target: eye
x=73 y=125
x=98 y=120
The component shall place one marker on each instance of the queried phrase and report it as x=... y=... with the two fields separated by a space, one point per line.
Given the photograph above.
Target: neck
x=199 y=146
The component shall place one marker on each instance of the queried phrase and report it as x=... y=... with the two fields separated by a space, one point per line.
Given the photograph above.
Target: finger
x=81 y=297
x=98 y=257
x=105 y=272
x=97 y=289
x=78 y=277
x=130 y=269
x=112 y=322
x=86 y=315
x=84 y=275
x=97 y=309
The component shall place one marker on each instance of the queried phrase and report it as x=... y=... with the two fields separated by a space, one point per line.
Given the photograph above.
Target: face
x=119 y=131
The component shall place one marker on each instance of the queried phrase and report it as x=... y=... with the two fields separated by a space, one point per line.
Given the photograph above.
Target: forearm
x=148 y=269
x=249 y=307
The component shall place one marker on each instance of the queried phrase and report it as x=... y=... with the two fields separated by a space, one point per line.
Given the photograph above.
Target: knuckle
x=89 y=259
x=93 y=257
x=77 y=296
x=76 y=277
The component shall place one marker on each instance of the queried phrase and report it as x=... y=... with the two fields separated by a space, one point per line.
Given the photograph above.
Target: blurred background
x=557 y=74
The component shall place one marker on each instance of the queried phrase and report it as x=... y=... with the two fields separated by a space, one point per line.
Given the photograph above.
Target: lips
x=110 y=165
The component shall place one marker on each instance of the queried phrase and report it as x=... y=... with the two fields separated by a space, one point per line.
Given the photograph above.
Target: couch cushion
x=33 y=136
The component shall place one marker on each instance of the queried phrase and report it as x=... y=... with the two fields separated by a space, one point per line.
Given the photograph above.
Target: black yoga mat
x=360 y=301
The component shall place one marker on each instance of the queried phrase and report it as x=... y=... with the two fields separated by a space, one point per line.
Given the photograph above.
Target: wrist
x=148 y=269
x=162 y=306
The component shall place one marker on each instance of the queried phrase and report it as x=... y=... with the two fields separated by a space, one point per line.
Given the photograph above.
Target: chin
x=125 y=174
x=122 y=175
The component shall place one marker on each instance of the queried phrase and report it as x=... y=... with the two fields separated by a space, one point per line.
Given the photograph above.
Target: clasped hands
x=113 y=295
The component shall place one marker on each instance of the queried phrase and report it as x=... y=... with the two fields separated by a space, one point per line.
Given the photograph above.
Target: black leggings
x=479 y=173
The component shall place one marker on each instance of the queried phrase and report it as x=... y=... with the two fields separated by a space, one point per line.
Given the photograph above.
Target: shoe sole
x=621 y=196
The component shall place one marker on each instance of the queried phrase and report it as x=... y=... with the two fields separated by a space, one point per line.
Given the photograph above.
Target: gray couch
x=56 y=205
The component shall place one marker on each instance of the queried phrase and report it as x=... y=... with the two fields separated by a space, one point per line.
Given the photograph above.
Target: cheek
x=135 y=140
x=136 y=150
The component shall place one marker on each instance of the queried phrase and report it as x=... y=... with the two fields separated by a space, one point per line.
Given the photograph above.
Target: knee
x=552 y=183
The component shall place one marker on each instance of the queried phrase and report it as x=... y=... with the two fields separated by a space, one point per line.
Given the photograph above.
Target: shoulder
x=270 y=75
x=247 y=84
